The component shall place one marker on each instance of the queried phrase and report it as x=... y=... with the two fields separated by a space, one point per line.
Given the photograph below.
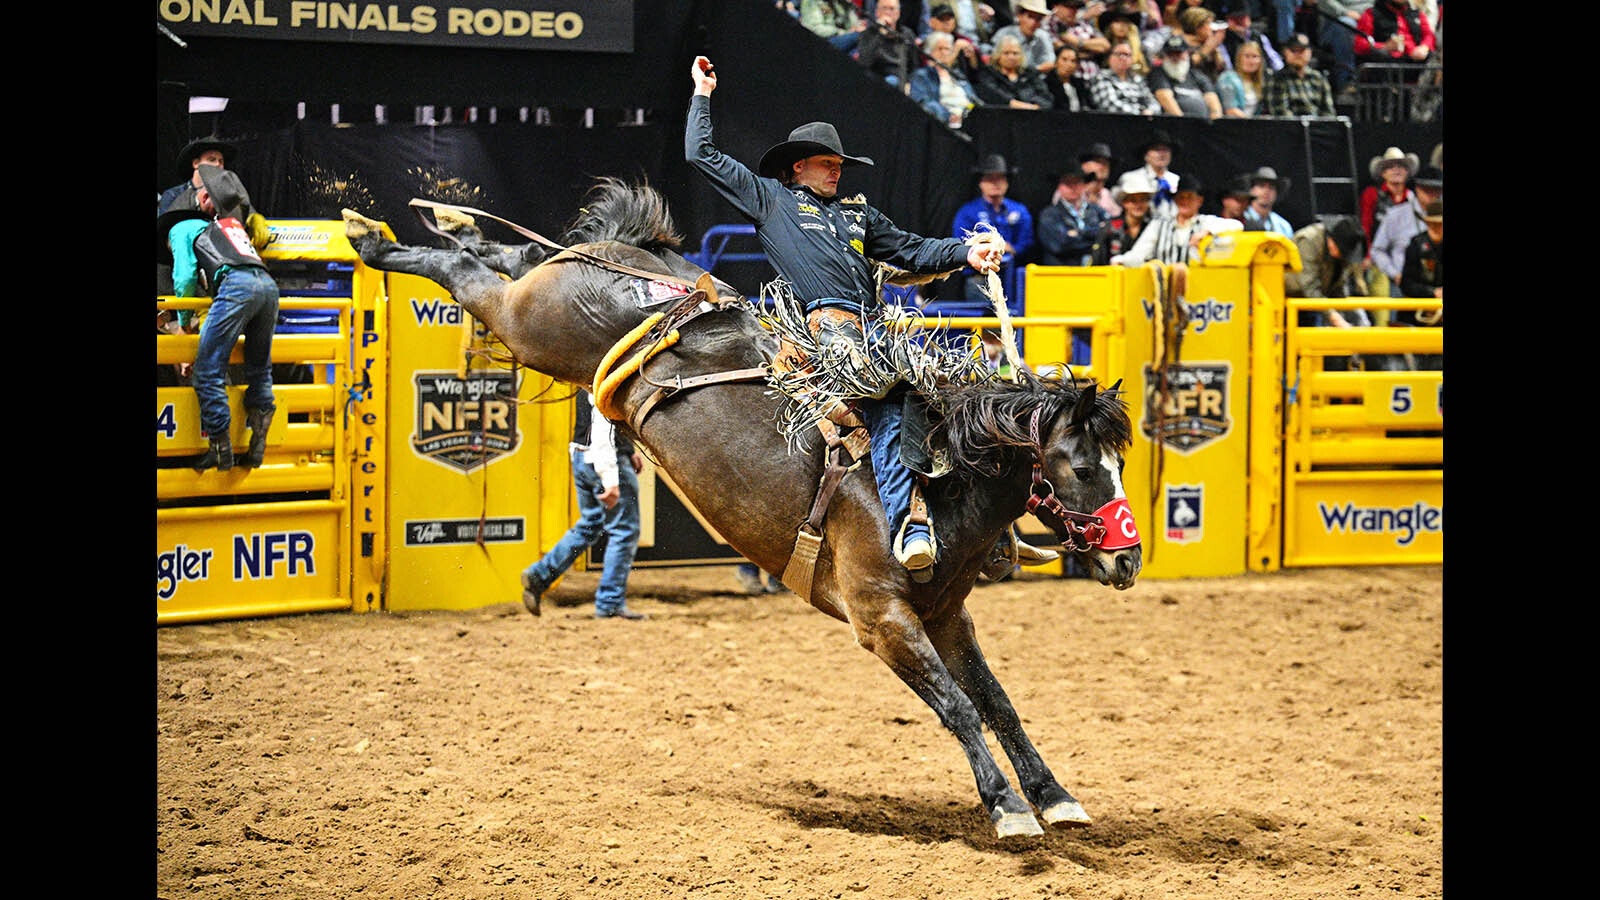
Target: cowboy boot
x=258 y=420
x=219 y=457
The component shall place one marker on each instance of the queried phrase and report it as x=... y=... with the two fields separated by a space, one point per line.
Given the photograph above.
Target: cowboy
x=1157 y=156
x=209 y=248
x=825 y=245
x=1264 y=190
x=992 y=209
x=211 y=151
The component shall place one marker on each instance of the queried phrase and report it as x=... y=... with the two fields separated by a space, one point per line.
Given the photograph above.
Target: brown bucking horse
x=615 y=291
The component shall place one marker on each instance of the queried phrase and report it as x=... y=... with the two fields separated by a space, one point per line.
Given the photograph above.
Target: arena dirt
x=1255 y=738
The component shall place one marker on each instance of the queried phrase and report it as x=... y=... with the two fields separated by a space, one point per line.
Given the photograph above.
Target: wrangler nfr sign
x=593 y=26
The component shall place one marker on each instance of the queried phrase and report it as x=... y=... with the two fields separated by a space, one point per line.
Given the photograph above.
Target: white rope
x=996 y=293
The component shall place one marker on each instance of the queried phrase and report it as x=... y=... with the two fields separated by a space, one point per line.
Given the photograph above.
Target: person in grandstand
x=993 y=209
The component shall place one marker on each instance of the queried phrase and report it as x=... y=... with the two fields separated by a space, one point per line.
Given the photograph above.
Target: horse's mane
x=634 y=214
x=984 y=421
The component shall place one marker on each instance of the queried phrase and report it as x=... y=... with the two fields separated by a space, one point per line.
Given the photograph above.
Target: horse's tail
x=634 y=214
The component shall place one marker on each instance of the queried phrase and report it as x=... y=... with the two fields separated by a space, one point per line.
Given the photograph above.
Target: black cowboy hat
x=1268 y=173
x=1238 y=187
x=226 y=190
x=993 y=164
x=1159 y=137
x=1429 y=177
x=1096 y=151
x=810 y=139
x=164 y=223
x=1190 y=183
x=1111 y=15
x=1348 y=237
x=192 y=150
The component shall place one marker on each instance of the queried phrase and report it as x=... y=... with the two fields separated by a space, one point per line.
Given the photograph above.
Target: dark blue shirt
x=824 y=248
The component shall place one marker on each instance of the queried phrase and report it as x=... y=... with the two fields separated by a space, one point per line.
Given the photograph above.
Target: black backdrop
x=774 y=76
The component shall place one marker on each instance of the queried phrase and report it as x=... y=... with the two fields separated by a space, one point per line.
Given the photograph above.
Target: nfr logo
x=1186 y=404
x=274 y=553
x=467 y=422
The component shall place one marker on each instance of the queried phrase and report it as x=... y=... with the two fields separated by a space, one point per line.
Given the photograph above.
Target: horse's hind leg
x=958 y=647
x=460 y=272
x=898 y=640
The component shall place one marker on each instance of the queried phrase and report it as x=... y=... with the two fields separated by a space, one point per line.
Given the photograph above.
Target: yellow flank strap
x=607 y=382
x=619 y=348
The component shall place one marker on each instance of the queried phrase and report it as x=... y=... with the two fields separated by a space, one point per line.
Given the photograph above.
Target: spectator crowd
x=1188 y=58
x=1196 y=58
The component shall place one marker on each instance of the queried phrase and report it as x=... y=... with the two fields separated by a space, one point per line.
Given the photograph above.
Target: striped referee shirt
x=1167 y=241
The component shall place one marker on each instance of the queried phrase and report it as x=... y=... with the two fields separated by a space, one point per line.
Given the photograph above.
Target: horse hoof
x=1017 y=824
x=356 y=225
x=922 y=575
x=1069 y=813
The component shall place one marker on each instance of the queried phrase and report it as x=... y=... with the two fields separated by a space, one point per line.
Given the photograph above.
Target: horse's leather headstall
x=1077 y=531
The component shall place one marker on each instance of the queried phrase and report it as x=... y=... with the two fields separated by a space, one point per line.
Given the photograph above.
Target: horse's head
x=1070 y=442
x=1077 y=483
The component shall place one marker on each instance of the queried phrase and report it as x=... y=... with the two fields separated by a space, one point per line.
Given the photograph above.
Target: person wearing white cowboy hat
x=208 y=248
x=1391 y=172
x=826 y=247
x=1038 y=52
x=1134 y=191
x=1265 y=187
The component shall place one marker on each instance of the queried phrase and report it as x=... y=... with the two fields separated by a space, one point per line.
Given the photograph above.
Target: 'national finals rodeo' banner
x=595 y=26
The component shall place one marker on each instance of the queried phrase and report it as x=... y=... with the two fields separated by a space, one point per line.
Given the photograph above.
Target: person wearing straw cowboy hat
x=1391 y=173
x=826 y=247
x=209 y=248
x=1265 y=188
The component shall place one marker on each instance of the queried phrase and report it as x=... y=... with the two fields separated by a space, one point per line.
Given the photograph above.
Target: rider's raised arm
x=732 y=179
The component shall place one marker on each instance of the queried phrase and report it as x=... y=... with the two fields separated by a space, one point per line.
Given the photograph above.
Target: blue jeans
x=619 y=525
x=246 y=302
x=1340 y=39
x=894 y=479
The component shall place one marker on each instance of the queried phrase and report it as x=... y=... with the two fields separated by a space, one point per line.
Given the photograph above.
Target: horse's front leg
x=957 y=645
x=897 y=638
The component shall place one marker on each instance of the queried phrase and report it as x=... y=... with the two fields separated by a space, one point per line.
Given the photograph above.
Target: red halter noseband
x=1077 y=531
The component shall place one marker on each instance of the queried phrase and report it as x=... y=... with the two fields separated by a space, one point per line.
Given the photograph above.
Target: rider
x=825 y=246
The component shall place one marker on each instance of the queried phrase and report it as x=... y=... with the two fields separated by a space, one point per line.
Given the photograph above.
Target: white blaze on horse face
x=1112 y=466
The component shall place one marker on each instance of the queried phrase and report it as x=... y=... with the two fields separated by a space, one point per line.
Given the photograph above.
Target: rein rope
x=1078 y=531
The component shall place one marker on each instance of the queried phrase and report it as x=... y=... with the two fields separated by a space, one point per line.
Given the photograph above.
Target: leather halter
x=1077 y=531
